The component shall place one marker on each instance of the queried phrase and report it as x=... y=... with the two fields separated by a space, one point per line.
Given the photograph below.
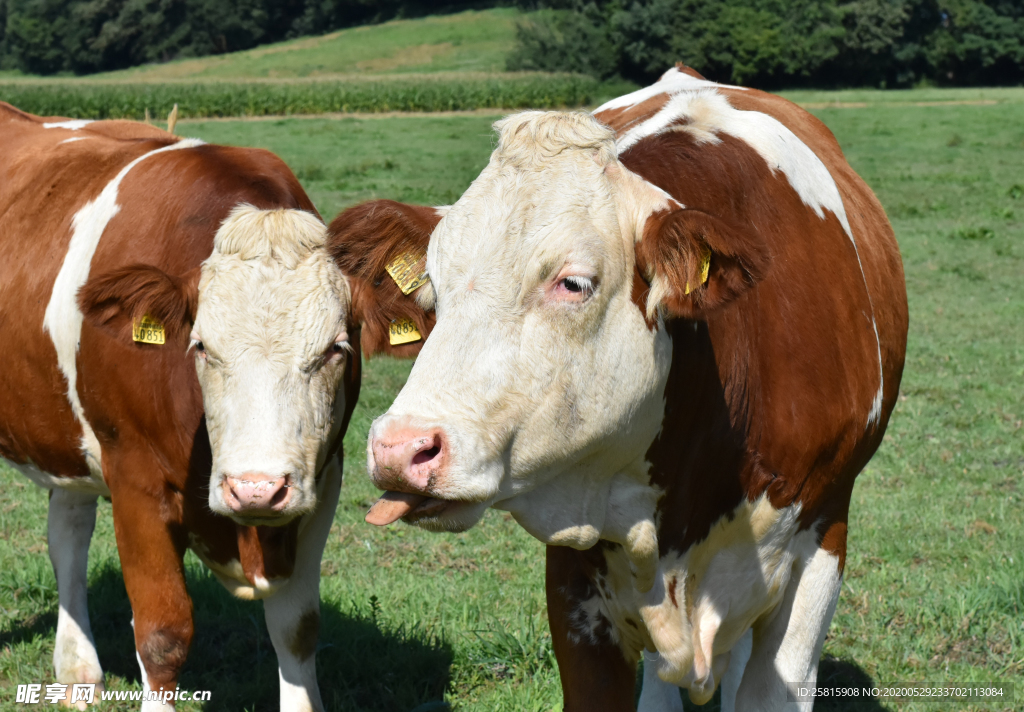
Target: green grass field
x=438 y=63
x=471 y=41
x=934 y=589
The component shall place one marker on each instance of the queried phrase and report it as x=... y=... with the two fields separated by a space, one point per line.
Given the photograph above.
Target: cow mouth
x=410 y=508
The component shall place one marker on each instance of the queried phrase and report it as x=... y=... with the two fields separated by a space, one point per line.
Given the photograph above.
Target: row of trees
x=768 y=43
x=85 y=36
x=773 y=43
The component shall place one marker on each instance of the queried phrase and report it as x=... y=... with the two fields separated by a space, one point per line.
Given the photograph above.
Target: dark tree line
x=84 y=36
x=768 y=43
x=773 y=43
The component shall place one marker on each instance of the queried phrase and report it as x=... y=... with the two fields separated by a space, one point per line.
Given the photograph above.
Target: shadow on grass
x=832 y=672
x=44 y=624
x=362 y=666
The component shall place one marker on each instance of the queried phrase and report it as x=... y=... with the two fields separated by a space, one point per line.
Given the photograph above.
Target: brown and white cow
x=669 y=335
x=102 y=224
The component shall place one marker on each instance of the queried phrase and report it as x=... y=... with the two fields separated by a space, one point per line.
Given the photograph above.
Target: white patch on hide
x=72 y=125
x=704 y=601
x=63 y=319
x=85 y=485
x=719 y=586
x=787 y=648
x=671 y=82
x=614 y=609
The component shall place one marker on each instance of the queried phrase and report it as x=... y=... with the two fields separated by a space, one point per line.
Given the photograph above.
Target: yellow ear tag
x=147 y=330
x=408 y=271
x=403 y=331
x=705 y=267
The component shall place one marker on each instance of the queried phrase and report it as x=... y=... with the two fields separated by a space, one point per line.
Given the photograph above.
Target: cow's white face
x=271 y=349
x=541 y=385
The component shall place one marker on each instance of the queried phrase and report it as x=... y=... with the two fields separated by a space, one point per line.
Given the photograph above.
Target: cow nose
x=256 y=492
x=407 y=460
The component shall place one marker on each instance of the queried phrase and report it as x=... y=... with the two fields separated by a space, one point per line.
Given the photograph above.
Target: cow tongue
x=392 y=506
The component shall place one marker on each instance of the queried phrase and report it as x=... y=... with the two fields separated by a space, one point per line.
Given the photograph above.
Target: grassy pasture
x=934 y=590
x=443 y=63
x=470 y=41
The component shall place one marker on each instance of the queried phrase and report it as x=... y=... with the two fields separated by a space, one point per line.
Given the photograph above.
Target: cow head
x=270 y=340
x=542 y=385
x=267 y=319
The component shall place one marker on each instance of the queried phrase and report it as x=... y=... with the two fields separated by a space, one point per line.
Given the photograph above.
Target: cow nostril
x=280 y=496
x=426 y=455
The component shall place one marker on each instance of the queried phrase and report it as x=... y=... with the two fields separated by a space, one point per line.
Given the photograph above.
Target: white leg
x=71 y=519
x=293 y=612
x=657 y=695
x=787 y=646
x=740 y=654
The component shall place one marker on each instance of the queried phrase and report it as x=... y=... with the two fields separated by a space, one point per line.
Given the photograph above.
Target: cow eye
x=198 y=346
x=578 y=285
x=339 y=347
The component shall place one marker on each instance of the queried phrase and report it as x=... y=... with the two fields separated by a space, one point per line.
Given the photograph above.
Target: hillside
x=471 y=41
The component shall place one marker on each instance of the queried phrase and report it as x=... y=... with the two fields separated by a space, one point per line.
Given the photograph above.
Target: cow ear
x=116 y=300
x=381 y=248
x=696 y=262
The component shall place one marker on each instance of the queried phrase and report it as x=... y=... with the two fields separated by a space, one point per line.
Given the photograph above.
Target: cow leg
x=739 y=655
x=151 y=548
x=787 y=644
x=293 y=612
x=70 y=522
x=595 y=674
x=656 y=695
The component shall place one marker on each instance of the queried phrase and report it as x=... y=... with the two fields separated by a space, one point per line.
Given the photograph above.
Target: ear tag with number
x=403 y=331
x=408 y=271
x=148 y=330
x=705 y=267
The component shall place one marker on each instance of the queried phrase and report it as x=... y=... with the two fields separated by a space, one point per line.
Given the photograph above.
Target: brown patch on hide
x=595 y=674
x=304 y=638
x=624 y=118
x=689 y=70
x=363 y=240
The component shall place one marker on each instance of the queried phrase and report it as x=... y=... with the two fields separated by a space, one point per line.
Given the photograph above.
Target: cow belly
x=704 y=599
x=93 y=484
